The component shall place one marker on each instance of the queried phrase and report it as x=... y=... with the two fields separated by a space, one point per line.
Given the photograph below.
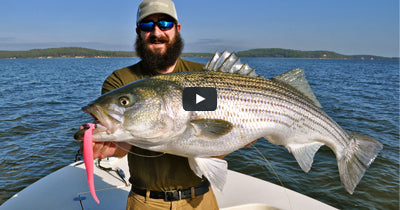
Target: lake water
x=40 y=111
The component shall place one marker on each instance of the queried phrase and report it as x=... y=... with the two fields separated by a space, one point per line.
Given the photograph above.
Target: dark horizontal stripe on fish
x=233 y=114
x=264 y=87
x=298 y=107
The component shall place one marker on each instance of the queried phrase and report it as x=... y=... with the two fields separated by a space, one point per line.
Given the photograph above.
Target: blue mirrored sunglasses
x=162 y=25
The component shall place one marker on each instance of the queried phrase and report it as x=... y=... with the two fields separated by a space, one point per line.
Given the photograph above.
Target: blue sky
x=344 y=26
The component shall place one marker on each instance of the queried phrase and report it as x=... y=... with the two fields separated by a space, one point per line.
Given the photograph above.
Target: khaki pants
x=206 y=201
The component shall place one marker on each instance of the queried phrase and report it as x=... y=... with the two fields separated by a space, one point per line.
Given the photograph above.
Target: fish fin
x=211 y=128
x=358 y=156
x=229 y=62
x=214 y=169
x=211 y=63
x=297 y=79
x=304 y=154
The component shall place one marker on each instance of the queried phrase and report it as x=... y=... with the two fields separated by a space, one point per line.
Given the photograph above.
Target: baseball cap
x=149 y=7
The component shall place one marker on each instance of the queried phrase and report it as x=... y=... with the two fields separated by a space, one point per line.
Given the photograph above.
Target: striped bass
x=149 y=114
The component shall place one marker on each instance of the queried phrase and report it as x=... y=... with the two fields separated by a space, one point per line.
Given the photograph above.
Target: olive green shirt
x=152 y=170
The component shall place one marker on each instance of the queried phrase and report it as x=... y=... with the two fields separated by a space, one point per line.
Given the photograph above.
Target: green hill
x=64 y=52
x=287 y=53
x=78 y=52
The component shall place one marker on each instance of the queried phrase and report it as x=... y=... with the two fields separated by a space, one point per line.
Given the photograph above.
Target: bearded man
x=159 y=181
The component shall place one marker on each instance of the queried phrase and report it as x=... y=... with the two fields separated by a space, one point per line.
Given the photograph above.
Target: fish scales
x=149 y=114
x=285 y=98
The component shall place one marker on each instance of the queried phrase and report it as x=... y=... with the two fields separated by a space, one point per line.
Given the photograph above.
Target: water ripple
x=40 y=112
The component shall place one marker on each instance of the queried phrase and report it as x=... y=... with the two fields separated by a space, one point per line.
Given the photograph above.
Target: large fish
x=149 y=114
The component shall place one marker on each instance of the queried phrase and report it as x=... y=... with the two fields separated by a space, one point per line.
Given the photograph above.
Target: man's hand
x=108 y=149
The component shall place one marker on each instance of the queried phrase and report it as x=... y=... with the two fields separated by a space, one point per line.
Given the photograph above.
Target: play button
x=199 y=99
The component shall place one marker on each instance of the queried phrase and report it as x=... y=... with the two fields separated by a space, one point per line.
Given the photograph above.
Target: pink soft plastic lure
x=88 y=158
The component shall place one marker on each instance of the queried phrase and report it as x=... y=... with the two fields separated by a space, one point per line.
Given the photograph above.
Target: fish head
x=147 y=112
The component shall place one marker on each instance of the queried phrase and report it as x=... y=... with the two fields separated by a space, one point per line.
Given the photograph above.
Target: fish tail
x=358 y=156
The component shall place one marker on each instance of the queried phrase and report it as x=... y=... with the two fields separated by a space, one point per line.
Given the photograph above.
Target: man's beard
x=158 y=61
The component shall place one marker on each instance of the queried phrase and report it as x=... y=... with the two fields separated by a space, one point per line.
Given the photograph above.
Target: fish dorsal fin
x=297 y=79
x=211 y=63
x=229 y=62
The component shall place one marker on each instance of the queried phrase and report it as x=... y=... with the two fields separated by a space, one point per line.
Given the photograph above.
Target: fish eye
x=124 y=101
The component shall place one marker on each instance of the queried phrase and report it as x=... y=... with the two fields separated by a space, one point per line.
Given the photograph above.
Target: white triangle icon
x=199 y=98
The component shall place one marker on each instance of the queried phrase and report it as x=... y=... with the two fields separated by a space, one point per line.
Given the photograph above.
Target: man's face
x=158 y=40
x=159 y=49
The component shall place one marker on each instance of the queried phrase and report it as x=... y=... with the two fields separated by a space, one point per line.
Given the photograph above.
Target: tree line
x=64 y=52
x=71 y=52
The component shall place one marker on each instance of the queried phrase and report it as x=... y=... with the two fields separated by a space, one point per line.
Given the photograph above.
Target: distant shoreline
x=78 y=52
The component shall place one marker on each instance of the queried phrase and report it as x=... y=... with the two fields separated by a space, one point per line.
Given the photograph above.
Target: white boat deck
x=67 y=188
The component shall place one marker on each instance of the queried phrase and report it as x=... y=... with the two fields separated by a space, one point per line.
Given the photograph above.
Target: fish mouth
x=103 y=121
